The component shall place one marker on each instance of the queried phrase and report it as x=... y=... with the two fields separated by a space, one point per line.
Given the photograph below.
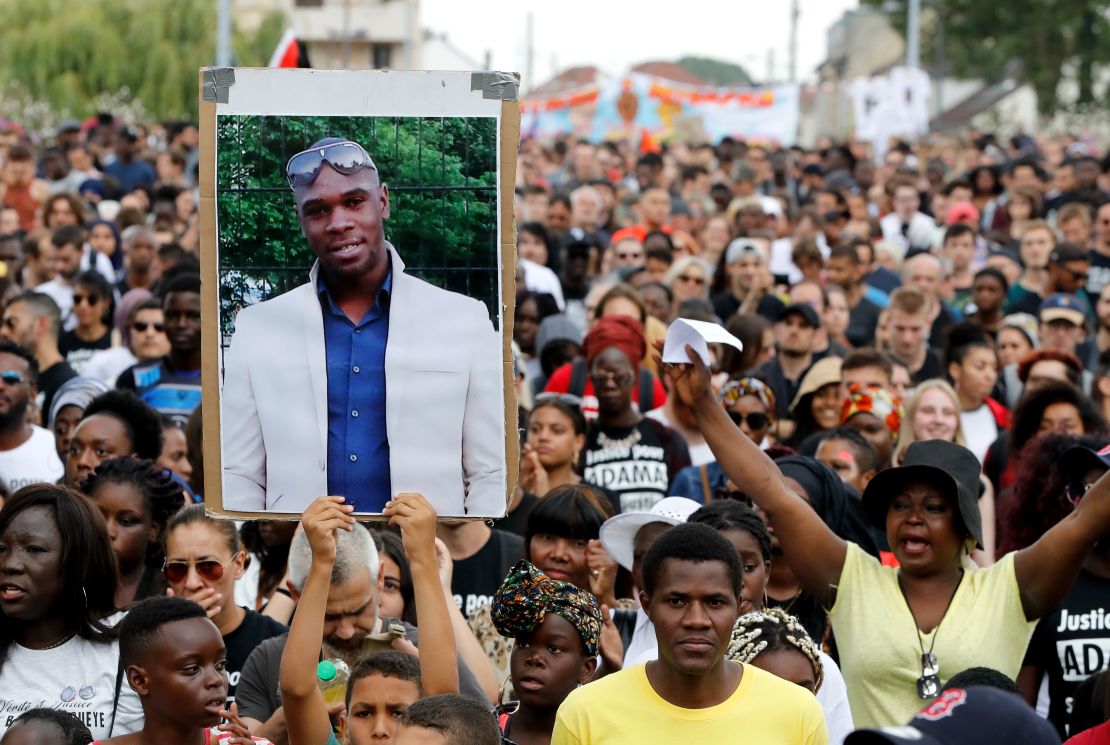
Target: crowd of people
x=885 y=519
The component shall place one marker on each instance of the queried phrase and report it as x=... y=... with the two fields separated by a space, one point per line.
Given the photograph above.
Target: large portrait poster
x=358 y=270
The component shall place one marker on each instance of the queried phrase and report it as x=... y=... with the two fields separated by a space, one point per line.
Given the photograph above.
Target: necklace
x=625 y=442
x=57 y=644
x=928 y=685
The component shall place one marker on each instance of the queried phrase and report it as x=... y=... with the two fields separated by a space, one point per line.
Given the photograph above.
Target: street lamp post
x=913 y=34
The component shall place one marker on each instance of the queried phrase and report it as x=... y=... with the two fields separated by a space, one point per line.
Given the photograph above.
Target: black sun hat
x=946 y=465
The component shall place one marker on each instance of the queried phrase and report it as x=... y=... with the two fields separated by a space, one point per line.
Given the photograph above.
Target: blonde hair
x=906 y=436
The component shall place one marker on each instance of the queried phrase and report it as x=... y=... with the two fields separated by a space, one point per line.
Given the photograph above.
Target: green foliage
x=68 y=52
x=981 y=38
x=442 y=178
x=716 y=72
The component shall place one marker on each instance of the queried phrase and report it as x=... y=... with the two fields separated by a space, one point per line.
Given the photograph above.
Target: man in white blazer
x=364 y=382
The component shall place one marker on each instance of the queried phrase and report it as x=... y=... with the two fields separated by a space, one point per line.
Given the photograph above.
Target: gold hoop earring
x=501 y=691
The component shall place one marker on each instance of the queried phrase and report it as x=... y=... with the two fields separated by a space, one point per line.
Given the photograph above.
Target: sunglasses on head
x=92 y=298
x=12 y=377
x=142 y=326
x=209 y=569
x=345 y=157
x=755 y=419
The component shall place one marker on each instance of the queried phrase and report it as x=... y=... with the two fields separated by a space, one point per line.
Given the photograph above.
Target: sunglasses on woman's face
x=92 y=298
x=142 y=326
x=209 y=569
x=756 y=419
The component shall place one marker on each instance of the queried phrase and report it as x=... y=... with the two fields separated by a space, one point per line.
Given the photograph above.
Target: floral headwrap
x=525 y=597
x=735 y=390
x=875 y=401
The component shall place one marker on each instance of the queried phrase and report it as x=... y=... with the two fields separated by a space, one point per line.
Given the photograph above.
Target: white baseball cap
x=618 y=533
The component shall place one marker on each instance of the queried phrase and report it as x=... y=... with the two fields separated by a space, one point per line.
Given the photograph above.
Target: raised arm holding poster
x=358 y=290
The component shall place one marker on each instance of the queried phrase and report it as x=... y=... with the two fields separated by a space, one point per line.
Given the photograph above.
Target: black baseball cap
x=967 y=716
x=950 y=467
x=805 y=311
x=1078 y=460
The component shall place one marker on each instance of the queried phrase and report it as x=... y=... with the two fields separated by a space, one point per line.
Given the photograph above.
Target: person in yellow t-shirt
x=692 y=586
x=900 y=630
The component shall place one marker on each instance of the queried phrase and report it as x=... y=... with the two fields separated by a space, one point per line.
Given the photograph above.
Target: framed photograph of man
x=358 y=269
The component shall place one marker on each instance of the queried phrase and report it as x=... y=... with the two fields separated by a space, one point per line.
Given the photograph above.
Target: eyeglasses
x=755 y=419
x=209 y=569
x=621 y=379
x=142 y=326
x=92 y=298
x=1079 y=277
x=12 y=377
x=345 y=157
x=1076 y=490
x=699 y=281
x=928 y=685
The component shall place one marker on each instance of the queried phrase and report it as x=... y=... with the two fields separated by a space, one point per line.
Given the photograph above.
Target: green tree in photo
x=442 y=179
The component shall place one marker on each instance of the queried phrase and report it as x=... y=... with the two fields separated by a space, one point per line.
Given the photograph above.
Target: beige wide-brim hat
x=824 y=371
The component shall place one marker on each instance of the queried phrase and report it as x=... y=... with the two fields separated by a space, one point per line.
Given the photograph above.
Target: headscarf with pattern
x=735 y=390
x=875 y=401
x=526 y=596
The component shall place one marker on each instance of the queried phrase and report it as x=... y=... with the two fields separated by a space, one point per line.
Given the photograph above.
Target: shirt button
x=354 y=458
x=355 y=413
x=355 y=369
x=358 y=331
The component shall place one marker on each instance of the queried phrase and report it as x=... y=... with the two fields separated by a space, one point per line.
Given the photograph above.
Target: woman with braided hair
x=557 y=631
x=137 y=500
x=773 y=640
x=742 y=526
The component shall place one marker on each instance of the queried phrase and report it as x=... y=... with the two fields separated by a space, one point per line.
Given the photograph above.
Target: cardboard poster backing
x=508 y=140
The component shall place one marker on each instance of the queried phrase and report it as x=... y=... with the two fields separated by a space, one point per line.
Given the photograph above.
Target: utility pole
x=794 y=13
x=913 y=35
x=223 y=34
x=529 y=52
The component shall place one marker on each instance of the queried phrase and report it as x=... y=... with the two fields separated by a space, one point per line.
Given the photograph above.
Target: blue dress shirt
x=358 y=445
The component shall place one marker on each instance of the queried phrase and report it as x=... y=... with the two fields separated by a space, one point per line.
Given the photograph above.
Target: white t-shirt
x=107 y=364
x=700 y=454
x=78 y=677
x=33 y=462
x=539 y=278
x=643 y=646
x=980 y=429
x=833 y=698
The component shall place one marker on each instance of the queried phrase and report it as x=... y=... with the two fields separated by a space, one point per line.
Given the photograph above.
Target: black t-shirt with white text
x=1073 y=643
x=476 y=578
x=637 y=463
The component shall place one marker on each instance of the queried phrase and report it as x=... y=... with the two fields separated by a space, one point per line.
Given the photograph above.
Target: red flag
x=288 y=51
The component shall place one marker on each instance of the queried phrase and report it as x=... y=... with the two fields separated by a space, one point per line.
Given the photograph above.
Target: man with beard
x=139 y=249
x=27 y=452
x=794 y=332
x=171 y=385
x=352 y=629
x=32 y=320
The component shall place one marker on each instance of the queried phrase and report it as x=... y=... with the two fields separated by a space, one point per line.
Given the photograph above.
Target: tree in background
x=1048 y=38
x=66 y=53
x=442 y=178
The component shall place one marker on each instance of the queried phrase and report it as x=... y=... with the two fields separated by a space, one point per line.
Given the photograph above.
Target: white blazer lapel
x=395 y=363
x=316 y=355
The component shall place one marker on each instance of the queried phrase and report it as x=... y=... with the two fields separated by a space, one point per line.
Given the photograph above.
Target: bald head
x=925 y=272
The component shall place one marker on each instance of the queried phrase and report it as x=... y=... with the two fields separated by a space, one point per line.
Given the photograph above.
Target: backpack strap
x=646 y=398
x=115 y=699
x=577 y=377
x=706 y=492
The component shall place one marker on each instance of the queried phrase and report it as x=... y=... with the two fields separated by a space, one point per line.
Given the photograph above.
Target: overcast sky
x=616 y=34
